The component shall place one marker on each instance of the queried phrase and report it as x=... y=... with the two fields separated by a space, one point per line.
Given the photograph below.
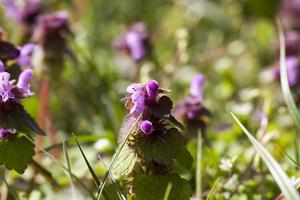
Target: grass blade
x=198 y=167
x=168 y=191
x=65 y=169
x=283 y=181
x=74 y=193
x=115 y=184
x=95 y=178
x=213 y=189
x=287 y=94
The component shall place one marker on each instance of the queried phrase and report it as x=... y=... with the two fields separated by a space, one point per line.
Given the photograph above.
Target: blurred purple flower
x=1 y=66
x=190 y=108
x=26 y=14
x=292 y=66
x=24 y=60
x=135 y=41
x=289 y=13
x=51 y=33
x=23 y=82
x=3 y=133
x=12 y=10
x=197 y=84
x=15 y=92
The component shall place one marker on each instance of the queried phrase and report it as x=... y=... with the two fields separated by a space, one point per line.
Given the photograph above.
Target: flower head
x=135 y=41
x=191 y=109
x=23 y=82
x=197 y=84
x=5 y=87
x=144 y=99
x=24 y=60
x=292 y=67
x=152 y=89
x=51 y=33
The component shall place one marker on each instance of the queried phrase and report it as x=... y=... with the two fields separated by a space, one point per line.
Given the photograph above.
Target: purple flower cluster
x=25 y=14
x=140 y=99
x=191 y=109
x=48 y=29
x=289 y=13
x=11 y=93
x=135 y=41
x=51 y=31
x=24 y=60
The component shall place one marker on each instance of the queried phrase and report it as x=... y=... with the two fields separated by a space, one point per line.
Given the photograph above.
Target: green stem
x=297 y=150
x=198 y=167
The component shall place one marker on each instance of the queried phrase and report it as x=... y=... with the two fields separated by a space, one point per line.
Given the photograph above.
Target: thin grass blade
x=283 y=181
x=168 y=191
x=91 y=170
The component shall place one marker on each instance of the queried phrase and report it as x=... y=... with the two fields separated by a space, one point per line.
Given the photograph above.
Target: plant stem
x=199 y=163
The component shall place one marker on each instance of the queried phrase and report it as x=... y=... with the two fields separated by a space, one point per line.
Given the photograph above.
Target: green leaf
x=161 y=147
x=18 y=119
x=125 y=163
x=16 y=153
x=282 y=180
x=147 y=187
x=184 y=158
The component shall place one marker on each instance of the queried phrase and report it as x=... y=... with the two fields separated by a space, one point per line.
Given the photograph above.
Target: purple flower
x=3 y=133
x=190 y=108
x=51 y=33
x=24 y=60
x=30 y=12
x=146 y=127
x=23 y=82
x=135 y=41
x=292 y=67
x=1 y=66
x=152 y=89
x=26 y=14
x=197 y=84
x=12 y=10
x=289 y=13
x=137 y=97
x=5 y=87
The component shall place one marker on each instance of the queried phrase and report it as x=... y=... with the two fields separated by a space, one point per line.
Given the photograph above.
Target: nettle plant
x=16 y=125
x=151 y=146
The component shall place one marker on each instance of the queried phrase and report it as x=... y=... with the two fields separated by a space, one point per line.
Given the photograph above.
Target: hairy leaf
x=184 y=158
x=125 y=162
x=16 y=153
x=160 y=147
x=152 y=187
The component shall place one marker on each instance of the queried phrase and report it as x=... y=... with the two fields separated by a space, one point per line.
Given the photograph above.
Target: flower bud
x=146 y=127
x=152 y=89
x=3 y=133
